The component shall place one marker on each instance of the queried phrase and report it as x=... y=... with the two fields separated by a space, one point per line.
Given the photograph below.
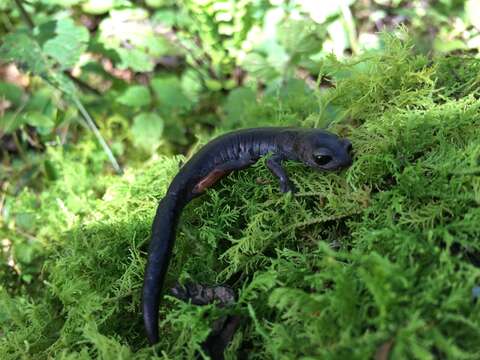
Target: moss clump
x=379 y=259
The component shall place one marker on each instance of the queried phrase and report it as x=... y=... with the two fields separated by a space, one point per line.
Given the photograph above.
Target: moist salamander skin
x=233 y=151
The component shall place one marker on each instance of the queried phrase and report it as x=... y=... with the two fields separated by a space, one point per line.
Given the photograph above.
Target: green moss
x=381 y=256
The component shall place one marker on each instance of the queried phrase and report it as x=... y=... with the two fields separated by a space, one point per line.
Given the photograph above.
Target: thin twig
x=81 y=84
x=91 y=125
x=16 y=140
x=350 y=27
x=85 y=115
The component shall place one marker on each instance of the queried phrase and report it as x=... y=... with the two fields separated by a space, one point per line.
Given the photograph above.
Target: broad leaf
x=24 y=51
x=168 y=90
x=68 y=44
x=237 y=102
x=98 y=7
x=131 y=33
x=301 y=36
x=147 y=131
x=27 y=53
x=134 y=59
x=64 y=3
x=135 y=96
x=37 y=119
x=10 y=122
x=11 y=92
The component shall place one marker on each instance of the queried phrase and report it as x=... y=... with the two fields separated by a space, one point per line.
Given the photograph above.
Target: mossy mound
x=380 y=260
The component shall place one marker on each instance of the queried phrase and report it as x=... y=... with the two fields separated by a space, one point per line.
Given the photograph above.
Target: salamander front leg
x=274 y=164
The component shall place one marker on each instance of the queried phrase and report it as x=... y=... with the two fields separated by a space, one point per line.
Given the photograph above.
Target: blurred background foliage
x=152 y=75
x=112 y=83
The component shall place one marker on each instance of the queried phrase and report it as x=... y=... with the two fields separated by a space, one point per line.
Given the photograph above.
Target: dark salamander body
x=233 y=151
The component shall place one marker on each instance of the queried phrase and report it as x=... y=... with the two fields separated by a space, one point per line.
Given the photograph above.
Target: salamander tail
x=161 y=244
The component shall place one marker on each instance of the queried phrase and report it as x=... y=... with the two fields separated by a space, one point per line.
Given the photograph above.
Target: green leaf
x=213 y=85
x=24 y=253
x=68 y=44
x=27 y=53
x=166 y=17
x=159 y=3
x=191 y=84
x=168 y=91
x=11 y=93
x=135 y=59
x=25 y=219
x=50 y=170
x=24 y=51
x=64 y=3
x=98 y=7
x=131 y=33
x=135 y=96
x=301 y=36
x=294 y=87
x=41 y=111
x=159 y=46
x=147 y=131
x=445 y=46
x=10 y=122
x=41 y=100
x=258 y=66
x=37 y=119
x=237 y=102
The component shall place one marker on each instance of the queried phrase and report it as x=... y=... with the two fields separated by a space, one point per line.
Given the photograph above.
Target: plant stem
x=91 y=125
x=85 y=115
x=81 y=84
x=18 y=144
x=25 y=14
x=349 y=24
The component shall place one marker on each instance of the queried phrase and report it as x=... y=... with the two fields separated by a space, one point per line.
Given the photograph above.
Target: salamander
x=233 y=151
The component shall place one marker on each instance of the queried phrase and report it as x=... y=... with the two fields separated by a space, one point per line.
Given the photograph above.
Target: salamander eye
x=322 y=159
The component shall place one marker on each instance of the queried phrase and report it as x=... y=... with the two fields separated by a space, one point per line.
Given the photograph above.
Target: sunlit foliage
x=379 y=259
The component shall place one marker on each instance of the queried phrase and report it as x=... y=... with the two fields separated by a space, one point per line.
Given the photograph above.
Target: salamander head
x=324 y=151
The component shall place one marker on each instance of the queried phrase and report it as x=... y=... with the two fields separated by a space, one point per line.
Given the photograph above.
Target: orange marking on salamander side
x=209 y=180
